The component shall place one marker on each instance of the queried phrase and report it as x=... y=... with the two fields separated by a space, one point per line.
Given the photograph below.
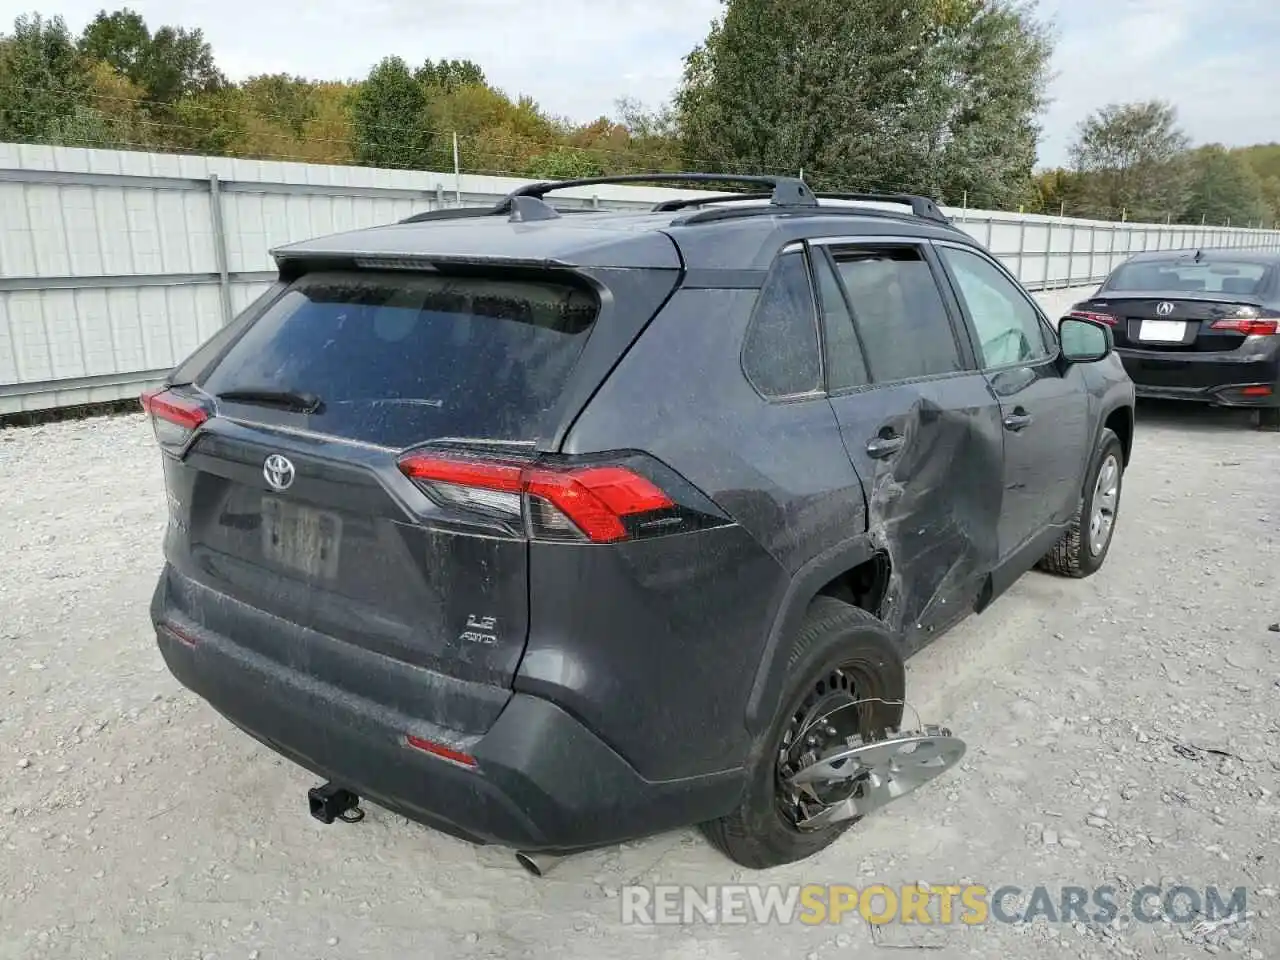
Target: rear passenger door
x=918 y=421
x=1044 y=413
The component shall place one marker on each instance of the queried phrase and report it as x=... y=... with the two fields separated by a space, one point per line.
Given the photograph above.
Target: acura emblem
x=278 y=472
x=1164 y=309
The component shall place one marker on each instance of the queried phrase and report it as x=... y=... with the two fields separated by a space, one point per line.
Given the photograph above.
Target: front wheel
x=846 y=677
x=1084 y=545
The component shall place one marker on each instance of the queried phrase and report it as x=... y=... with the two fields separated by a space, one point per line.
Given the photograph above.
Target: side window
x=780 y=355
x=846 y=366
x=899 y=312
x=1008 y=327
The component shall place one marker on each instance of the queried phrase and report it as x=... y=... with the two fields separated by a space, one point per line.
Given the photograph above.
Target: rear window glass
x=1215 y=276
x=399 y=358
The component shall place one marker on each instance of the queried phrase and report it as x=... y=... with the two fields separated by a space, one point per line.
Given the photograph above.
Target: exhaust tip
x=537 y=864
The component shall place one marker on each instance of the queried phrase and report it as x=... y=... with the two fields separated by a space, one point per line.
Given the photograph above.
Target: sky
x=1216 y=60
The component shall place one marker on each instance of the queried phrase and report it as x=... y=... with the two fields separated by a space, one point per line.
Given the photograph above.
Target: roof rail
x=784 y=191
x=920 y=206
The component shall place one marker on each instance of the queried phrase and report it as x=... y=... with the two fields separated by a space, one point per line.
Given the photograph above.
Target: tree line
x=940 y=97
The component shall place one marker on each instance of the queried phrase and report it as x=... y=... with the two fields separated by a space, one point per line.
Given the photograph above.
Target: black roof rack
x=783 y=191
x=790 y=193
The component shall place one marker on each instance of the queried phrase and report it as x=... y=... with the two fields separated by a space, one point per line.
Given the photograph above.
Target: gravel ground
x=134 y=822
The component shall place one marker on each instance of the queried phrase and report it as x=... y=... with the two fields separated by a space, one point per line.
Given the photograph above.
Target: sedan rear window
x=1175 y=275
x=398 y=358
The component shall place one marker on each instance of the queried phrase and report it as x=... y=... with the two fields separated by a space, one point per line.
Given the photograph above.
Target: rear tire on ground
x=833 y=636
x=1078 y=554
x=1269 y=419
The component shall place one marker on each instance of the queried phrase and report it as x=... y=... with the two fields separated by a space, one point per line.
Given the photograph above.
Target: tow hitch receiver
x=331 y=802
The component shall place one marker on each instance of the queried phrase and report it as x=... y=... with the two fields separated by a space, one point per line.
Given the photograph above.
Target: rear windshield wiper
x=289 y=399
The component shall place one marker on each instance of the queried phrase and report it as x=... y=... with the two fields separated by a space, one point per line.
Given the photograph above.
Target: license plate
x=301 y=538
x=1163 y=331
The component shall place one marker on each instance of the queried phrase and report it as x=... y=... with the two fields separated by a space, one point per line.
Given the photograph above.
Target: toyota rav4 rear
x=365 y=504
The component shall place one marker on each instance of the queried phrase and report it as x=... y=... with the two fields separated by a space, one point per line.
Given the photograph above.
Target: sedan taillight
x=1094 y=316
x=1250 y=327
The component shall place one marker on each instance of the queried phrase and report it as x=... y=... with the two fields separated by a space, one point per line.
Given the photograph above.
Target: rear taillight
x=596 y=503
x=174 y=418
x=1106 y=318
x=1250 y=327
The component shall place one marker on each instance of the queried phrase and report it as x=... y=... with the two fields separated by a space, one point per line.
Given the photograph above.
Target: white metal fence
x=114 y=265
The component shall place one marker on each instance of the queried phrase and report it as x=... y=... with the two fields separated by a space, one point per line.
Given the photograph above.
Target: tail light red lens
x=589 y=503
x=1096 y=317
x=174 y=418
x=1248 y=326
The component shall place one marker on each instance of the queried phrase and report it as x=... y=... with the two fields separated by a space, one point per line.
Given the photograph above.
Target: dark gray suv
x=555 y=528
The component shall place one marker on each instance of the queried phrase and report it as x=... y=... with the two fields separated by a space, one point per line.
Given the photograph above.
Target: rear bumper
x=1220 y=379
x=542 y=780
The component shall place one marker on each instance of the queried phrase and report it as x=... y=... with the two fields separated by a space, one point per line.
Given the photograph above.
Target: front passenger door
x=1044 y=415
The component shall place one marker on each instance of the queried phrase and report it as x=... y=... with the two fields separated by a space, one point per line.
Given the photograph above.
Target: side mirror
x=1084 y=341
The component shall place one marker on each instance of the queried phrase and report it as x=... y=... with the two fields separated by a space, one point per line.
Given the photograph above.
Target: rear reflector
x=1249 y=327
x=582 y=503
x=1261 y=391
x=440 y=750
x=184 y=638
x=1106 y=318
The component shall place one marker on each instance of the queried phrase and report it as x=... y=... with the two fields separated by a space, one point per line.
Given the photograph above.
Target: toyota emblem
x=278 y=472
x=1164 y=309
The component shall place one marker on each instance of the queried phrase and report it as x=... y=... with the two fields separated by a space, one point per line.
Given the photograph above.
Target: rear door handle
x=1018 y=420
x=880 y=447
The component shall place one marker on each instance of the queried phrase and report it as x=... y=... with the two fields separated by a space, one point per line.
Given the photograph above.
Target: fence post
x=1048 y=253
x=1093 y=239
x=1071 y=255
x=1111 y=249
x=1022 y=248
x=220 y=248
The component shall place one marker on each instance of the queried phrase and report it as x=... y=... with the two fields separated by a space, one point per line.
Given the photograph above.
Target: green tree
x=1132 y=162
x=180 y=63
x=121 y=39
x=1222 y=188
x=167 y=65
x=450 y=74
x=1056 y=191
x=390 y=118
x=934 y=96
x=43 y=84
x=992 y=68
x=563 y=163
x=289 y=101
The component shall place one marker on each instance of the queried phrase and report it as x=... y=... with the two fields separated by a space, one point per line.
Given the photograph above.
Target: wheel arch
x=854 y=567
x=1120 y=422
